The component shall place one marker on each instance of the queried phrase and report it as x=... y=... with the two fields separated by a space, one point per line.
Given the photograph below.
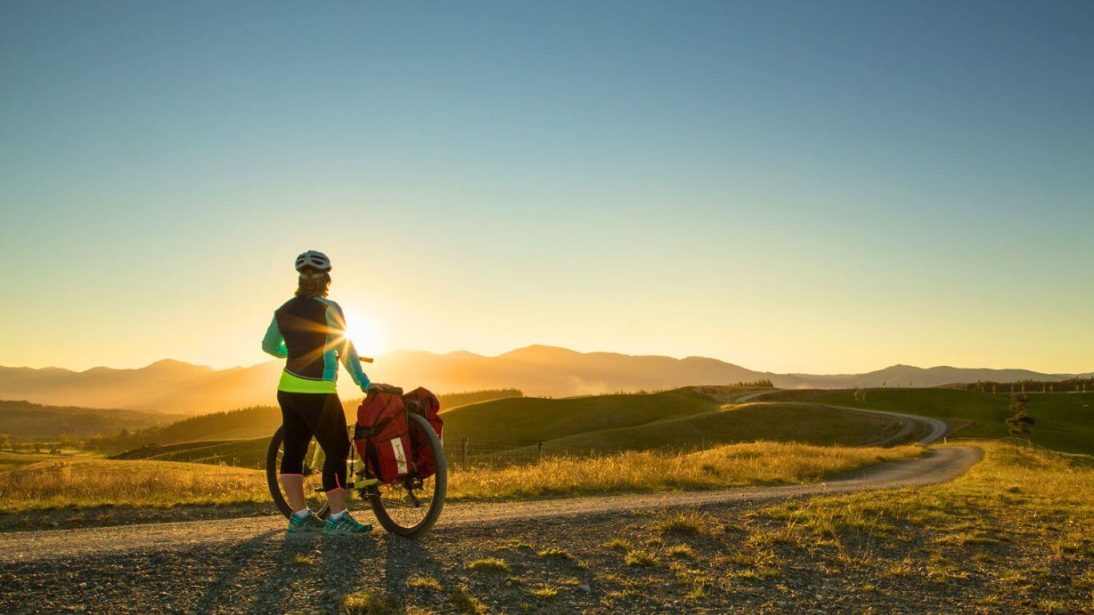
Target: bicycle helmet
x=313 y=259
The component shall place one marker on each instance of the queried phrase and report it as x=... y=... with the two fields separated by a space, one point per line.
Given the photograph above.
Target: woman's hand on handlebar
x=379 y=387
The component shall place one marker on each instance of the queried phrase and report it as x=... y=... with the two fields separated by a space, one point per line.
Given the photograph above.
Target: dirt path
x=937 y=466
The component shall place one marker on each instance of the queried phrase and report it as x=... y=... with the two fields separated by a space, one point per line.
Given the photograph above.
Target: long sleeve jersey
x=310 y=334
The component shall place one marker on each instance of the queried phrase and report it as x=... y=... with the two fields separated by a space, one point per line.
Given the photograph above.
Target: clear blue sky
x=793 y=186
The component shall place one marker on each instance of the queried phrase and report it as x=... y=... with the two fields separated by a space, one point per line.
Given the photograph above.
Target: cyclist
x=309 y=332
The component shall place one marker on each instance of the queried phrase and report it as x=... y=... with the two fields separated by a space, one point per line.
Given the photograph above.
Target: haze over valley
x=178 y=387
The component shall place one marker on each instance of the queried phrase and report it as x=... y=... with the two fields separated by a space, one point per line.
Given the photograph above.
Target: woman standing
x=309 y=332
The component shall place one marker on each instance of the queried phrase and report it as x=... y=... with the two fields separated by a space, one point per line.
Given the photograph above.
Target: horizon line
x=551 y=347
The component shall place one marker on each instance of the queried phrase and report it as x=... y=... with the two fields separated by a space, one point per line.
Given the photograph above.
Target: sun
x=365 y=333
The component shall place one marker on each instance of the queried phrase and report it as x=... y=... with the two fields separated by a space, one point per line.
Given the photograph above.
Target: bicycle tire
x=440 y=479
x=273 y=480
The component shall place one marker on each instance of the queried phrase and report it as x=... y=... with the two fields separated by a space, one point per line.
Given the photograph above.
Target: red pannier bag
x=381 y=436
x=421 y=401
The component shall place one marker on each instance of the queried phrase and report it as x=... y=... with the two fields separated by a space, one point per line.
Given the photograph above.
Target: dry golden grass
x=1014 y=493
x=760 y=463
x=1010 y=527
x=640 y=558
x=680 y=551
x=544 y=592
x=686 y=522
x=489 y=564
x=84 y=482
x=99 y=482
x=10 y=460
x=464 y=602
x=424 y=582
x=365 y=603
x=554 y=553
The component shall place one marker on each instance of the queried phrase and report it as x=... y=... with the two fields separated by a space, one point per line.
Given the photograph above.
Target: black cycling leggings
x=304 y=415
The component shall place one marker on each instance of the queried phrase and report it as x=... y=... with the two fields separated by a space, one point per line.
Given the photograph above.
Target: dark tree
x=1020 y=422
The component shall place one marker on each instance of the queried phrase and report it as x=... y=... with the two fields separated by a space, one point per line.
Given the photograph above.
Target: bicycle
x=408 y=508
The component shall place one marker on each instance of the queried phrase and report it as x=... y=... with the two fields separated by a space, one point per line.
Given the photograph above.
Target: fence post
x=539 y=451
x=463 y=453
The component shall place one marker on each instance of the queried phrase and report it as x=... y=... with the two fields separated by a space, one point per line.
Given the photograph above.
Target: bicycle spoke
x=412 y=505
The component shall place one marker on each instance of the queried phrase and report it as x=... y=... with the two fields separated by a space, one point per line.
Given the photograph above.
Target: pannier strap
x=360 y=431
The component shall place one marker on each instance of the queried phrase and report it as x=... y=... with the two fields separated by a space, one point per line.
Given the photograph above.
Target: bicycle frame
x=312 y=461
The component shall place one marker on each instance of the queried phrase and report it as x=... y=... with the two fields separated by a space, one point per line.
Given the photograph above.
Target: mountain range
x=178 y=387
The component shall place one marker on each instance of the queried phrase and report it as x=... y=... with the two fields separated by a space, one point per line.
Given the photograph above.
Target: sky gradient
x=790 y=186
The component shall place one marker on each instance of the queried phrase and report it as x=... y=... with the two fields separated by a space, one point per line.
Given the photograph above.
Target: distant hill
x=22 y=419
x=173 y=386
x=913 y=377
x=549 y=371
x=166 y=386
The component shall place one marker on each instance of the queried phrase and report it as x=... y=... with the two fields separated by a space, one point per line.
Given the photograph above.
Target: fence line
x=1079 y=458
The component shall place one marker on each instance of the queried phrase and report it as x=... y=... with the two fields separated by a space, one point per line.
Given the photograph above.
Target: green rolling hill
x=1065 y=421
x=238 y=437
x=807 y=423
x=685 y=418
x=528 y=420
x=250 y=453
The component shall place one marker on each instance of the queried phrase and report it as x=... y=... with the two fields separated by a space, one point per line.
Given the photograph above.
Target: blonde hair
x=313 y=284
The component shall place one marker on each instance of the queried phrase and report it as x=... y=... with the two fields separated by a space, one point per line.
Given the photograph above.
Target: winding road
x=937 y=466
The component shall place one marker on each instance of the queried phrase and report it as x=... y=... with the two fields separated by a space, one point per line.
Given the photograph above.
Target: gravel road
x=247 y=565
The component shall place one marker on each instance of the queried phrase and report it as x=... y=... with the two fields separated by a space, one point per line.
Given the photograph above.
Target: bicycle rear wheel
x=410 y=507
x=312 y=471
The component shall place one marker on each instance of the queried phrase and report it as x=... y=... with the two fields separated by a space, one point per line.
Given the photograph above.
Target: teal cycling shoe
x=345 y=525
x=310 y=523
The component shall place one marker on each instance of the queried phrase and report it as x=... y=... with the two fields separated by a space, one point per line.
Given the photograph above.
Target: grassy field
x=1065 y=421
x=1010 y=536
x=801 y=422
x=10 y=460
x=1013 y=533
x=528 y=419
x=81 y=483
x=84 y=483
x=759 y=463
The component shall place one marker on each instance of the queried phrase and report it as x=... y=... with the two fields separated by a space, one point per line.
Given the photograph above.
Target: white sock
x=303 y=513
x=338 y=515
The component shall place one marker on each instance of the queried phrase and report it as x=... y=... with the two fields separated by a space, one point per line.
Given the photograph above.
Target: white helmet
x=313 y=259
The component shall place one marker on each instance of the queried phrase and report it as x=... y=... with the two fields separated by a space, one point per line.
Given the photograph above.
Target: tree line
x=1072 y=385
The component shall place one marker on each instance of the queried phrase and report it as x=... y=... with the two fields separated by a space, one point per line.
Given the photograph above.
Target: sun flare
x=365 y=333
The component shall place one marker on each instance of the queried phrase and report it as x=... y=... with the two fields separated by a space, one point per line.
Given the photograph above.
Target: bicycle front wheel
x=411 y=506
